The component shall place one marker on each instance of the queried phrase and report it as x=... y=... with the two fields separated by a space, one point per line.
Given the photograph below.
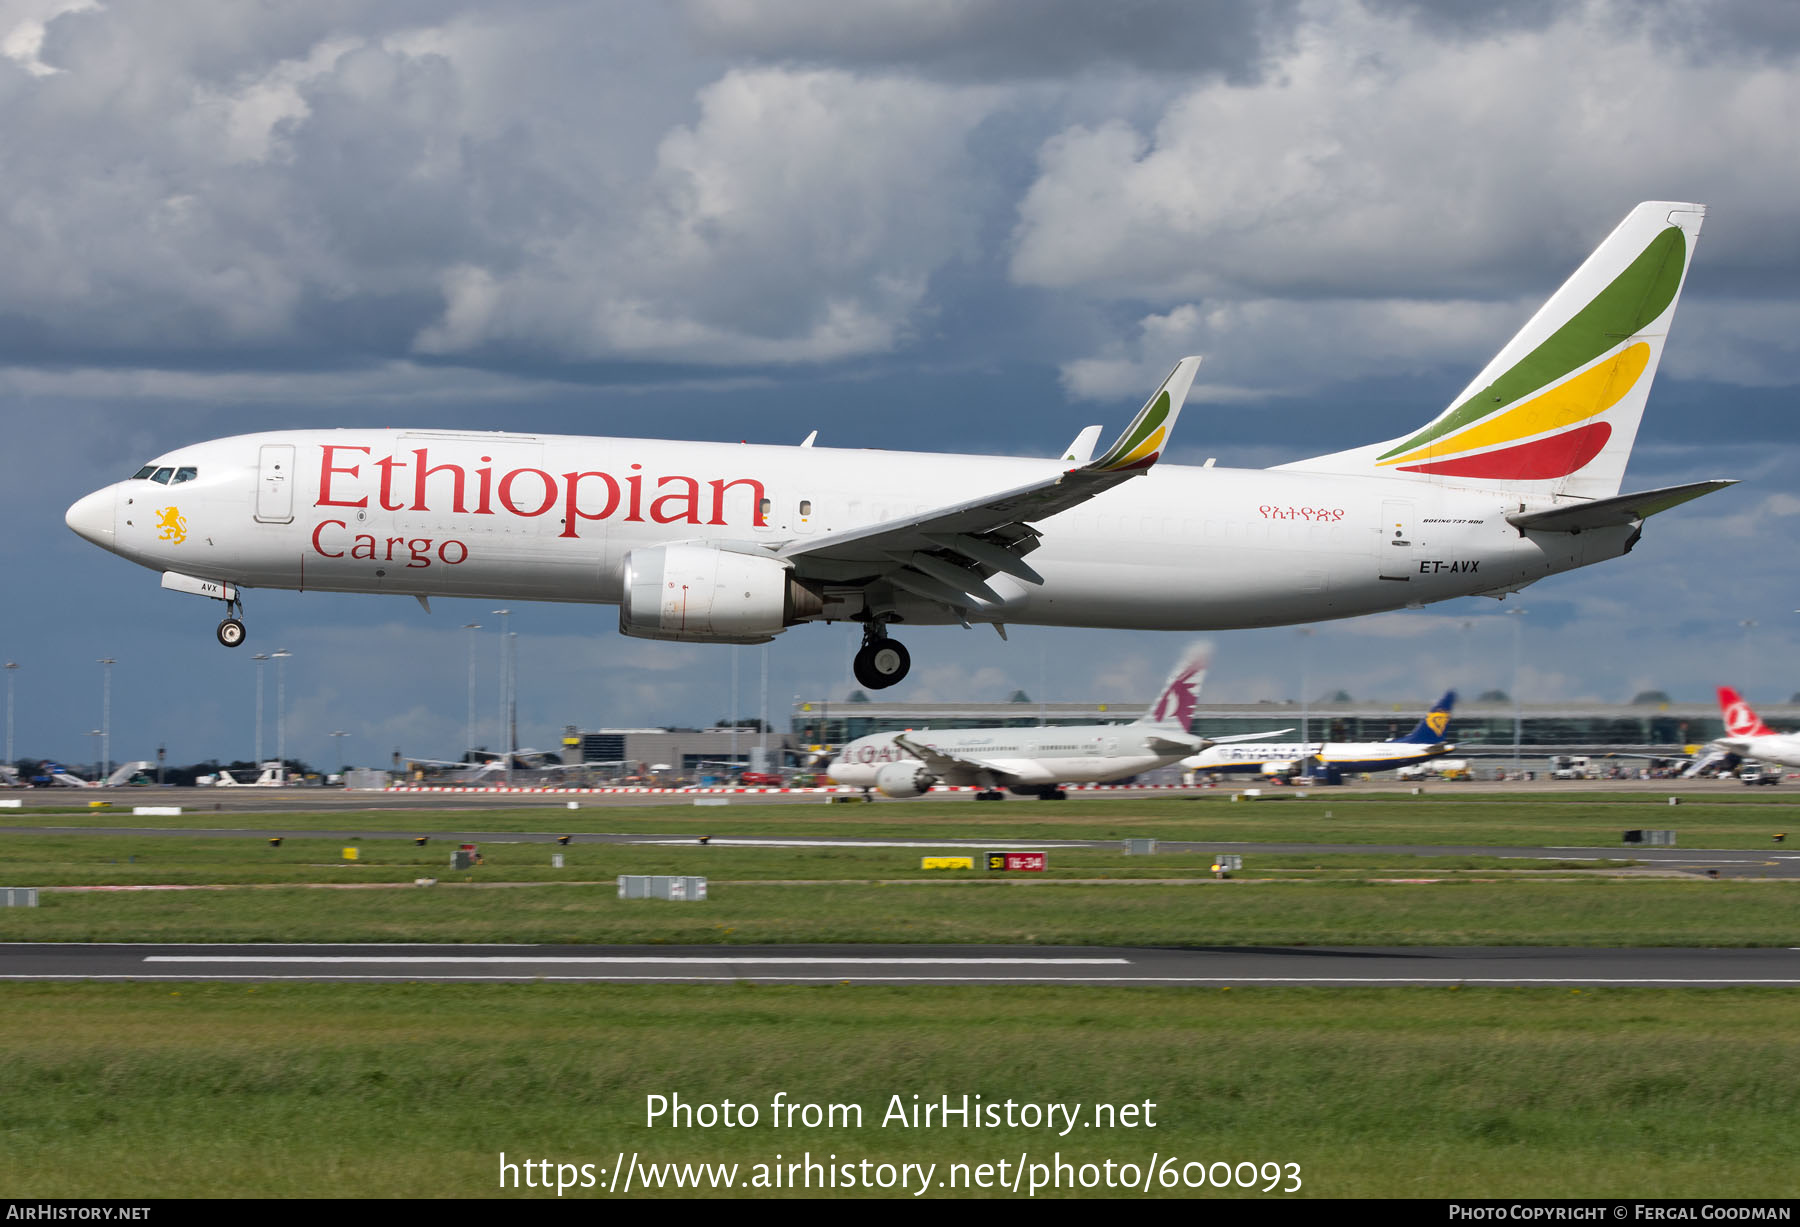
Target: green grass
x=1601 y=912
x=75 y=860
x=1439 y=816
x=140 y=1090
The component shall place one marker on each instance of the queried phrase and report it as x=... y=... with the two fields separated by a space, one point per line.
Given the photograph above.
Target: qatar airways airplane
x=730 y=543
x=1034 y=762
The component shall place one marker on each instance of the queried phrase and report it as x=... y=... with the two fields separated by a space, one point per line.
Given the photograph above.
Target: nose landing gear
x=880 y=662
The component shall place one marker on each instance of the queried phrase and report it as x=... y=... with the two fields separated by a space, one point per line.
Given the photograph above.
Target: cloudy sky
x=951 y=225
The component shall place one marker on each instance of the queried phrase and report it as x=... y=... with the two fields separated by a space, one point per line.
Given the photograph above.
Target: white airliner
x=730 y=543
x=1032 y=761
x=1425 y=741
x=1746 y=736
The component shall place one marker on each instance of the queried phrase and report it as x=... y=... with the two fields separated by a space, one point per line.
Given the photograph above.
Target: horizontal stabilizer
x=1168 y=743
x=1613 y=512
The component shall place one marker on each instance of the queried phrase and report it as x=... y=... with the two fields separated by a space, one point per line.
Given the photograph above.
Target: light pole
x=471 y=627
x=1749 y=624
x=763 y=716
x=503 y=615
x=1518 y=714
x=279 y=656
x=106 y=663
x=512 y=701
x=259 y=658
x=335 y=733
x=12 y=666
x=1306 y=634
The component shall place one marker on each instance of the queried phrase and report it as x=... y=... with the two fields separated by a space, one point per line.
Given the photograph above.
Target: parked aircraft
x=1746 y=737
x=272 y=775
x=124 y=773
x=1031 y=761
x=1517 y=479
x=1425 y=741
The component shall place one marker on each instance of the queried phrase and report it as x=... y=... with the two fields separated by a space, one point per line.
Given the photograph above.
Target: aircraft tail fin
x=1557 y=409
x=1740 y=719
x=1430 y=730
x=1175 y=705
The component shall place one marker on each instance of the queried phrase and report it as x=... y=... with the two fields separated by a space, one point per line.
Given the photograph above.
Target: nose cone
x=92 y=517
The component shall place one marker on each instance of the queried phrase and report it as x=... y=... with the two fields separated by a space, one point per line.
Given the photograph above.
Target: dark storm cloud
x=994 y=40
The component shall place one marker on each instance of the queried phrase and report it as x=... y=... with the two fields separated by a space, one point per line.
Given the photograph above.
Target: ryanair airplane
x=1425 y=741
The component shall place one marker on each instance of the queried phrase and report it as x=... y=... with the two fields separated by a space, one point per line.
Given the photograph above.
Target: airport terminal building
x=1484 y=728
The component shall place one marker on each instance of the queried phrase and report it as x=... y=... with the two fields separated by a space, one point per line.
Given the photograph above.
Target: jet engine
x=903 y=780
x=705 y=595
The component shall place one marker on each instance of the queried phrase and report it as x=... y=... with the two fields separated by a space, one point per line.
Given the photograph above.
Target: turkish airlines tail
x=1557 y=410
x=1740 y=720
x=1175 y=705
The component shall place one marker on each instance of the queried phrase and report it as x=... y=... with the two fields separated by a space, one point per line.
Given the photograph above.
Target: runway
x=1503 y=966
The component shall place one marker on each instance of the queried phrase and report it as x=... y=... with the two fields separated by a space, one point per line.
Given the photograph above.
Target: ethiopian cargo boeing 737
x=730 y=543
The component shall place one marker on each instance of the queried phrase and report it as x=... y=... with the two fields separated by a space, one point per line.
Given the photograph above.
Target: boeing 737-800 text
x=730 y=543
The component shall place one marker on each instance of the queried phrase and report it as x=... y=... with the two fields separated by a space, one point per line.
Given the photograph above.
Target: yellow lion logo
x=174 y=528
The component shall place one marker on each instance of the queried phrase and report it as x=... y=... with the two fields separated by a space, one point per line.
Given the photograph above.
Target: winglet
x=1144 y=440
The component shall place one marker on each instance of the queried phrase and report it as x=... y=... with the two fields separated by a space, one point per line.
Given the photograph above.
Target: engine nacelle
x=700 y=594
x=903 y=780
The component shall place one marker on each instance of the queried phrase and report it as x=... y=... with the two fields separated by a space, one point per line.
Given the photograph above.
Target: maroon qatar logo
x=1179 y=698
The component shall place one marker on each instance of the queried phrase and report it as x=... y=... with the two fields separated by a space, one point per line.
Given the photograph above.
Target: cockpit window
x=162 y=475
x=186 y=472
x=143 y=472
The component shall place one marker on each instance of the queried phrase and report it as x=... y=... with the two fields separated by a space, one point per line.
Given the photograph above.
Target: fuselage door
x=1394 y=548
x=275 y=484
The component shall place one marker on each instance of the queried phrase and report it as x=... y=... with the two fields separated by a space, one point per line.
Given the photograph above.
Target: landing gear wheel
x=881 y=663
x=990 y=794
x=231 y=633
x=1054 y=794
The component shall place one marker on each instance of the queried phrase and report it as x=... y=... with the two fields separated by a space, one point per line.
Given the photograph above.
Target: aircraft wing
x=946 y=554
x=1219 y=741
x=943 y=764
x=1613 y=512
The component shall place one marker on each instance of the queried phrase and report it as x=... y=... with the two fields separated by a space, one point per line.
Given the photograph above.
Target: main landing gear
x=880 y=662
x=231 y=630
